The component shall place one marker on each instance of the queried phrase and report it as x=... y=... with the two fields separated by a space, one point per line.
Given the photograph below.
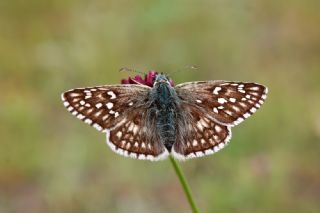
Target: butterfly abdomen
x=164 y=102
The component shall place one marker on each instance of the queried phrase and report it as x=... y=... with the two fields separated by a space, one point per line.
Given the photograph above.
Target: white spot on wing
x=199 y=154
x=233 y=100
x=221 y=145
x=130 y=128
x=238 y=121
x=209 y=152
x=119 y=134
x=133 y=155
x=254 y=93
x=98 y=105
x=200 y=127
x=80 y=116
x=222 y=100
x=135 y=129
x=88 y=121
x=113 y=96
x=246 y=115
x=253 y=110
x=105 y=117
x=216 y=90
x=109 y=105
x=204 y=123
x=194 y=143
x=235 y=108
x=62 y=97
x=143 y=145
x=97 y=126
x=89 y=110
x=128 y=145
x=228 y=112
x=74 y=94
x=243 y=104
x=217 y=128
x=255 y=88
x=141 y=157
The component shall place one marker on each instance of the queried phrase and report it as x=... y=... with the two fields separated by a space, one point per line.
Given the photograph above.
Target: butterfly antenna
x=126 y=69
x=189 y=67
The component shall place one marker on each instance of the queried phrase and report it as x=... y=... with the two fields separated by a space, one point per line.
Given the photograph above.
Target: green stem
x=184 y=185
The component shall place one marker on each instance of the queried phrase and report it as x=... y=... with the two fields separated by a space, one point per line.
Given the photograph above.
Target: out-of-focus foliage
x=51 y=162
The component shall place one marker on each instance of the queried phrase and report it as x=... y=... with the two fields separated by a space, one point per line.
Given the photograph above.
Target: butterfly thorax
x=164 y=102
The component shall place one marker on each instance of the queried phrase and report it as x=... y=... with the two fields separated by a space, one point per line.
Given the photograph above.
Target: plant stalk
x=184 y=184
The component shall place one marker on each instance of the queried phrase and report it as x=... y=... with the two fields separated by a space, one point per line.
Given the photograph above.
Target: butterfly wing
x=208 y=110
x=228 y=103
x=198 y=134
x=122 y=112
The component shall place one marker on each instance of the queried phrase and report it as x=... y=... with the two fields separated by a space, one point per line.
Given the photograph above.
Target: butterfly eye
x=154 y=78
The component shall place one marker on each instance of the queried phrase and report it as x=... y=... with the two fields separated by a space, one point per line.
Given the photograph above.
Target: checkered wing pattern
x=199 y=134
x=209 y=111
x=228 y=103
x=121 y=112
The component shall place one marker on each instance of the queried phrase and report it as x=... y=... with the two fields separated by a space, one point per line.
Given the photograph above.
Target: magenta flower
x=148 y=79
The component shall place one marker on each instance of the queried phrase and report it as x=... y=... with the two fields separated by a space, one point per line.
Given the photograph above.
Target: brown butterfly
x=189 y=120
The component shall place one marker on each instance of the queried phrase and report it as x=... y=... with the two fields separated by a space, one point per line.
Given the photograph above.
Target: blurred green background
x=52 y=162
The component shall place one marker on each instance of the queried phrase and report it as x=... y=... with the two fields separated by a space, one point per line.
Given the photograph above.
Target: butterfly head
x=161 y=79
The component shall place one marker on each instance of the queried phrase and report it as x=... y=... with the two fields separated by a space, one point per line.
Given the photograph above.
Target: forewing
x=122 y=112
x=198 y=134
x=228 y=103
x=104 y=106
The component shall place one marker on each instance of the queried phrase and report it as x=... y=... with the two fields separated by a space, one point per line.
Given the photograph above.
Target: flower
x=148 y=80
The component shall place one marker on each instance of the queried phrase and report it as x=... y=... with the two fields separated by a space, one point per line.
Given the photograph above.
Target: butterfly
x=151 y=120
